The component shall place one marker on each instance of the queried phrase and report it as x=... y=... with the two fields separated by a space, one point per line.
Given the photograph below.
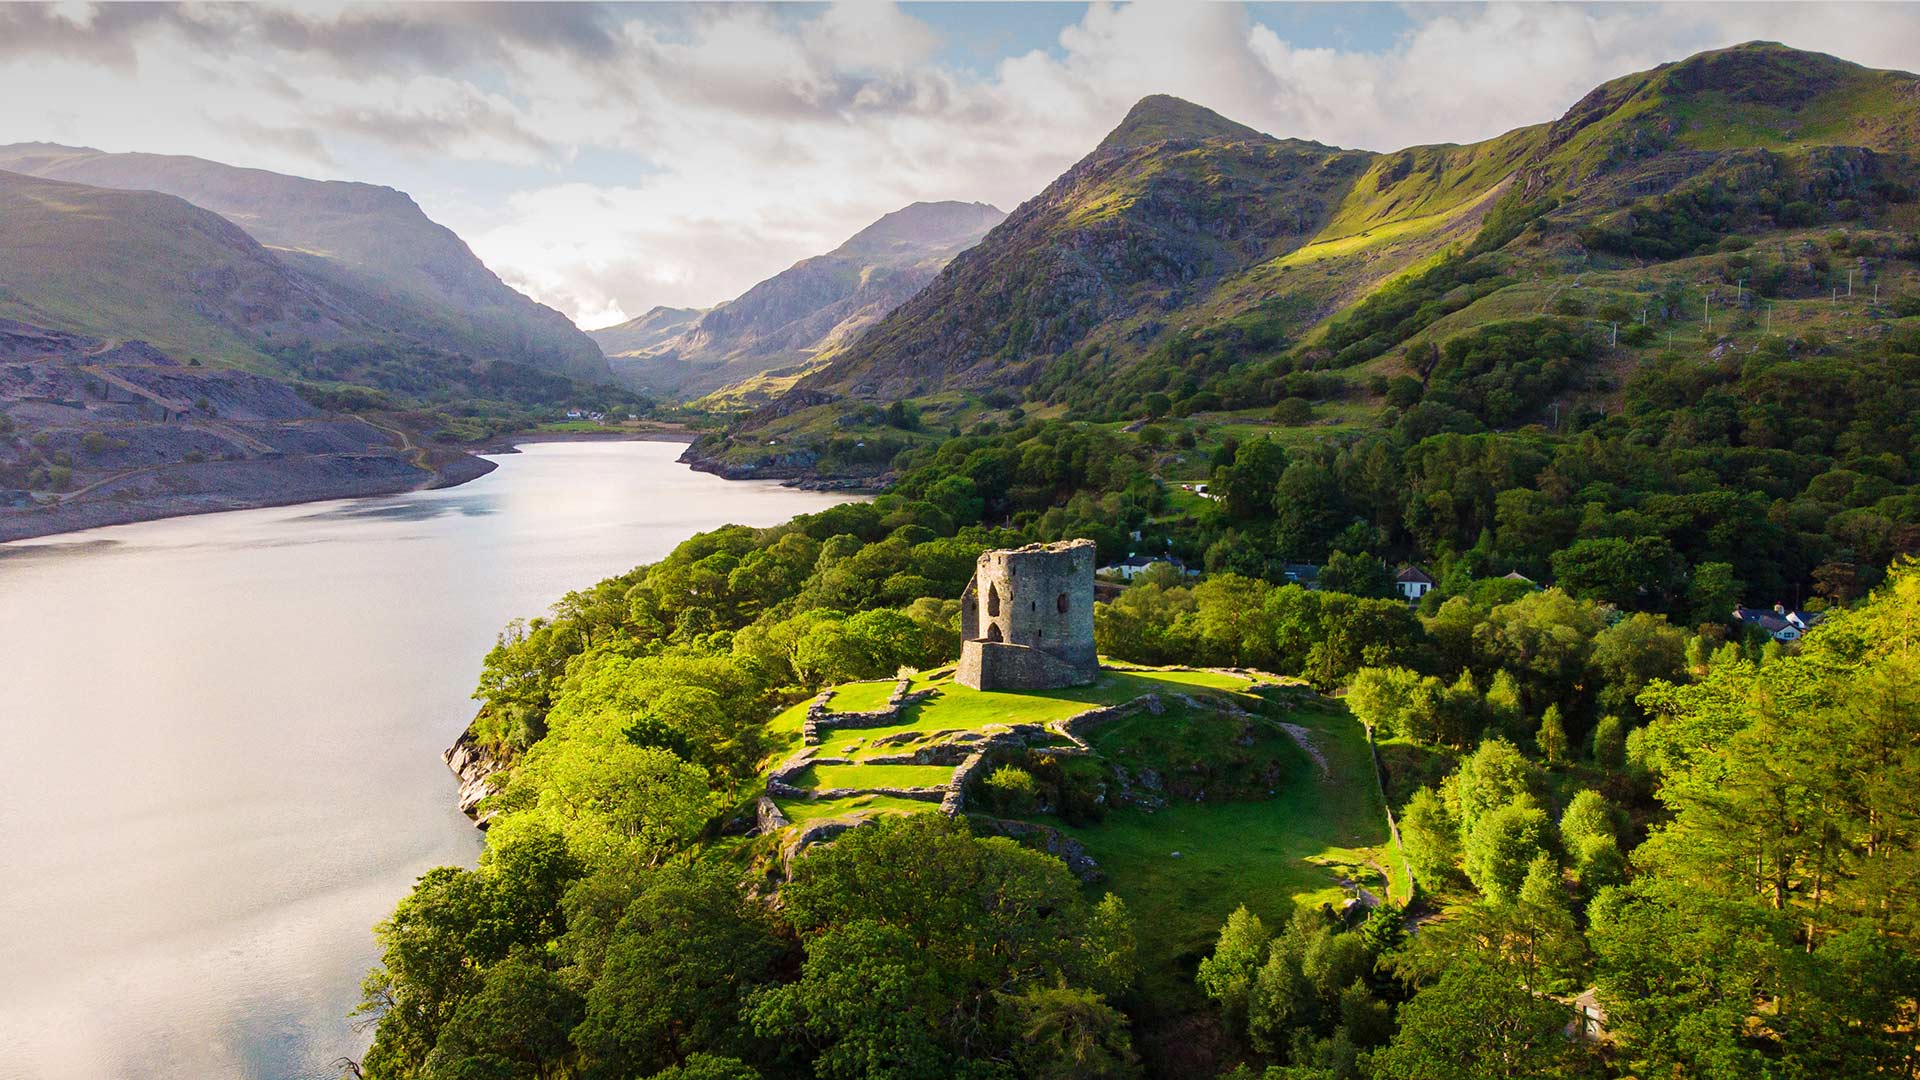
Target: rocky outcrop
x=480 y=771
x=1048 y=839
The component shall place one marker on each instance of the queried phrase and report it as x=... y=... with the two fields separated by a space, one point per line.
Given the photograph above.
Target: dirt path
x=1304 y=737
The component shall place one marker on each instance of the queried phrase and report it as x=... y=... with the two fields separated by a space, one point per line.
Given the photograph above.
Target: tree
x=1552 y=737
x=897 y=912
x=1712 y=593
x=1476 y=1023
x=1610 y=742
x=1588 y=815
x=1635 y=651
x=1506 y=713
x=1245 y=488
x=610 y=798
x=709 y=1067
x=1432 y=837
x=435 y=950
x=1502 y=847
x=1626 y=573
x=677 y=972
x=1060 y=1033
x=1227 y=974
x=1380 y=697
x=1357 y=574
x=515 y=1027
x=1491 y=777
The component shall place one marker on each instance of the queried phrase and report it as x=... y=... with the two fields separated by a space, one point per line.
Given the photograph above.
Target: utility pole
x=1769 y=320
x=1706 y=312
x=1849 y=284
x=1614 y=339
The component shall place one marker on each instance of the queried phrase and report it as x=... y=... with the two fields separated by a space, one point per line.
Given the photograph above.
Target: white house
x=1134 y=565
x=1413 y=582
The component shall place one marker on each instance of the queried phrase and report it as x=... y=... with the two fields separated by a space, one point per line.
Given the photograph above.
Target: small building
x=1413 y=582
x=1134 y=565
x=1515 y=575
x=1026 y=619
x=1589 y=1017
x=1304 y=574
x=1780 y=624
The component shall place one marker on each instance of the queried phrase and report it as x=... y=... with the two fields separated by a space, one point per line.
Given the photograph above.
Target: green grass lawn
x=861 y=696
x=1269 y=854
x=962 y=708
x=803 y=810
x=869 y=776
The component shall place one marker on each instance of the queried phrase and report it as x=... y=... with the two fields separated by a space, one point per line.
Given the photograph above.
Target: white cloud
x=753 y=137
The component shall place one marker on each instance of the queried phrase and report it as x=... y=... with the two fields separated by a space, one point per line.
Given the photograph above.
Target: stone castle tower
x=1026 y=619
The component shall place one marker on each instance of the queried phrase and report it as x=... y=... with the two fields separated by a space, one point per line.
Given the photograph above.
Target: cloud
x=607 y=159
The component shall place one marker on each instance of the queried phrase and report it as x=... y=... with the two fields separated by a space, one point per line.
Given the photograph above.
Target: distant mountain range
x=1191 y=257
x=330 y=264
x=800 y=316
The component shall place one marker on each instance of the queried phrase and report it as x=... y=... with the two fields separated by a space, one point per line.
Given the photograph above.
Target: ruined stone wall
x=993 y=665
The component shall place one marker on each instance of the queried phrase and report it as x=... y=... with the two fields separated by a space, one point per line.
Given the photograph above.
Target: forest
x=1606 y=784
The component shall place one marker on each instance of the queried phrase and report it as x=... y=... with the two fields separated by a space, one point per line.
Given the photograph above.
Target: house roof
x=1413 y=574
x=1515 y=575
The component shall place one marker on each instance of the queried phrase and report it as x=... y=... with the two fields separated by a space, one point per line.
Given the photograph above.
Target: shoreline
x=447 y=466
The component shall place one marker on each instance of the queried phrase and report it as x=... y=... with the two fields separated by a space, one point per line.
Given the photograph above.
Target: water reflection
x=222 y=736
x=406 y=509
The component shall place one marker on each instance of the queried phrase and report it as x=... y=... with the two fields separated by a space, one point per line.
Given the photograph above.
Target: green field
x=872 y=776
x=861 y=696
x=1269 y=854
x=1253 y=820
x=800 y=811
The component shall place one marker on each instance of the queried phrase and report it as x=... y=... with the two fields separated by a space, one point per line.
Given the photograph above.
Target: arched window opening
x=993 y=633
x=1061 y=603
x=993 y=601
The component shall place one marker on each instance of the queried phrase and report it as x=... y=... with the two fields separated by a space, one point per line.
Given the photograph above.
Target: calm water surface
x=220 y=739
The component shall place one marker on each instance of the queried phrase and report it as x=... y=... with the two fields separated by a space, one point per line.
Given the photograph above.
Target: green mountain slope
x=1190 y=259
x=1131 y=235
x=806 y=311
x=372 y=246
x=139 y=264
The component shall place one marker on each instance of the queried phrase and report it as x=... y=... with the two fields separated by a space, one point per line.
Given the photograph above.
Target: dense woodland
x=1603 y=783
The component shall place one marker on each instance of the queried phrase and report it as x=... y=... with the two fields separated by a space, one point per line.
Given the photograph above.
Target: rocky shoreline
x=187 y=488
x=478 y=769
x=795 y=471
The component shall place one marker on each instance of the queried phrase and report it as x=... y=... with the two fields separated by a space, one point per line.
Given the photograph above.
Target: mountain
x=371 y=247
x=805 y=312
x=1191 y=259
x=140 y=264
x=638 y=336
x=1176 y=199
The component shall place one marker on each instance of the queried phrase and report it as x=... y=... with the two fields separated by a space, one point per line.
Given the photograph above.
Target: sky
x=606 y=159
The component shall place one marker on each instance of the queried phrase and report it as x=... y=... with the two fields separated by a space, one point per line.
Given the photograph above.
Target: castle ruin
x=1026 y=619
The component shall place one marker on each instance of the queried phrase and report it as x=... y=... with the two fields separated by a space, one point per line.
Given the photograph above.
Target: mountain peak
x=924 y=225
x=1162 y=117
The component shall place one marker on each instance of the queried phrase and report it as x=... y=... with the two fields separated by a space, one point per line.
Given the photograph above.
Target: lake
x=222 y=735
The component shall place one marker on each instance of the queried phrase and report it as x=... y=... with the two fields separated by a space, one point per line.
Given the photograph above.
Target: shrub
x=1012 y=790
